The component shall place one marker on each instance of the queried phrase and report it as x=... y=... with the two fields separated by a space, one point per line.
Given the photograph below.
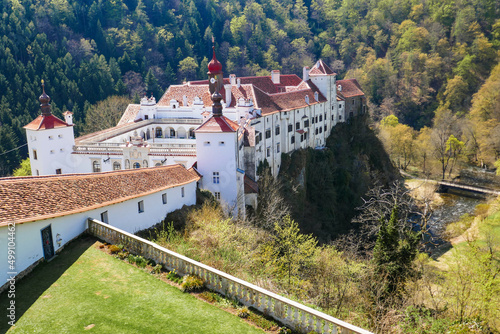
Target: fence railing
x=286 y=311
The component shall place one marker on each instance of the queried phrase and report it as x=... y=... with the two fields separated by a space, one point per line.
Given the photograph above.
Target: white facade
x=50 y=151
x=125 y=215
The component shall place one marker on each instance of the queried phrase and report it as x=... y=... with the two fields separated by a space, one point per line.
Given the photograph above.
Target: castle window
x=96 y=166
x=182 y=192
x=277 y=130
x=320 y=118
x=316 y=131
x=61 y=150
x=325 y=128
x=172 y=133
x=333 y=107
x=340 y=117
x=50 y=137
x=221 y=143
x=320 y=130
x=268 y=133
x=316 y=119
x=292 y=140
x=301 y=138
x=278 y=148
x=217 y=195
x=297 y=125
x=136 y=165
x=268 y=152
x=58 y=171
x=146 y=116
x=60 y=136
x=158 y=133
x=140 y=206
x=104 y=217
x=51 y=151
x=215 y=177
x=35 y=156
x=312 y=120
x=290 y=127
x=207 y=143
x=333 y=117
x=164 y=198
x=306 y=123
x=116 y=165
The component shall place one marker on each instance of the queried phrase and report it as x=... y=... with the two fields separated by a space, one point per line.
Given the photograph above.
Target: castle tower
x=217 y=149
x=325 y=79
x=50 y=141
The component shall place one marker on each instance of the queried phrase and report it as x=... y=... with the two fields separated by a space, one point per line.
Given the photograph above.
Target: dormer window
x=307 y=99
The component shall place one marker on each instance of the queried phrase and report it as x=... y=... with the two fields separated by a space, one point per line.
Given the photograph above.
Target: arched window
x=158 y=133
x=157 y=164
x=127 y=164
x=136 y=165
x=96 y=166
x=191 y=133
x=148 y=135
x=145 y=163
x=116 y=165
x=172 y=133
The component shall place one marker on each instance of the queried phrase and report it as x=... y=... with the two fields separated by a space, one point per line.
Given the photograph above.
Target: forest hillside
x=412 y=57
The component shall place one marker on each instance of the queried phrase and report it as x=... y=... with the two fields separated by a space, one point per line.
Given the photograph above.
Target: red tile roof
x=320 y=68
x=44 y=122
x=251 y=187
x=218 y=124
x=28 y=199
x=350 y=88
x=130 y=114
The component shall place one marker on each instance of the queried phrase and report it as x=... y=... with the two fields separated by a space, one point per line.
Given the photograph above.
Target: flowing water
x=452 y=209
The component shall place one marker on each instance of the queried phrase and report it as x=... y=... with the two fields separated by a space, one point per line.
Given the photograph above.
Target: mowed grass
x=86 y=290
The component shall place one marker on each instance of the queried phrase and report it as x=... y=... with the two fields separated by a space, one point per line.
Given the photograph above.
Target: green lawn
x=85 y=290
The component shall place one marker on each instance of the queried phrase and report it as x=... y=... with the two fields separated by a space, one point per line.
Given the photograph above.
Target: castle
x=223 y=127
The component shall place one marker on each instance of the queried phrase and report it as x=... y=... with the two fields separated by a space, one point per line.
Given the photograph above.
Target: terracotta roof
x=320 y=68
x=44 y=122
x=218 y=124
x=265 y=95
x=251 y=187
x=350 y=88
x=130 y=114
x=27 y=199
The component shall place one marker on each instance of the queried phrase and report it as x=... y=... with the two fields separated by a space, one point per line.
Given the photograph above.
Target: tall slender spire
x=44 y=101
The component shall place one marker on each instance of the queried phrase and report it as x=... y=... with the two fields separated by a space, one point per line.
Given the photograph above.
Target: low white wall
x=123 y=215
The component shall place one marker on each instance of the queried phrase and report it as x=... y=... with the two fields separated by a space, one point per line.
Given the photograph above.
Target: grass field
x=85 y=290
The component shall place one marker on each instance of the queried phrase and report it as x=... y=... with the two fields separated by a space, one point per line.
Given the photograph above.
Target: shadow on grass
x=33 y=285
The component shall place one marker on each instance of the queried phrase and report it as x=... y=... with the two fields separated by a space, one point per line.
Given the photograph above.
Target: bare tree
x=271 y=207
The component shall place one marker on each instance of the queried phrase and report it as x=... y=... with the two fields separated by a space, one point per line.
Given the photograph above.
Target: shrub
x=191 y=283
x=262 y=322
x=141 y=262
x=114 y=249
x=157 y=269
x=122 y=255
x=211 y=297
x=243 y=312
x=284 y=330
x=174 y=277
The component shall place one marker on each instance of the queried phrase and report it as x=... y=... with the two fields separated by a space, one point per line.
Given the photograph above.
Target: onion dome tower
x=215 y=83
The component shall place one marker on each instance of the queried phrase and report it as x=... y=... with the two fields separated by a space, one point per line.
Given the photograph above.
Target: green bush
x=157 y=269
x=262 y=322
x=174 y=277
x=284 y=330
x=122 y=255
x=243 y=312
x=191 y=283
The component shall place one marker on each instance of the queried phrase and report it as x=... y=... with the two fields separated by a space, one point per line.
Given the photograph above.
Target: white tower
x=50 y=141
x=217 y=149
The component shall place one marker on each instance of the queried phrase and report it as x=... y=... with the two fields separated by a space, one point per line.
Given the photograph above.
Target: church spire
x=44 y=101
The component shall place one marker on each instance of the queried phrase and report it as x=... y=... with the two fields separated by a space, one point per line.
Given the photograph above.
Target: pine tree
x=393 y=255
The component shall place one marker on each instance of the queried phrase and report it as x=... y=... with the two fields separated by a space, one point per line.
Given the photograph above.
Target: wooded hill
x=410 y=56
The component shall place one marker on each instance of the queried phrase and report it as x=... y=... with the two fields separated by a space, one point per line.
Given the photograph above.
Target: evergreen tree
x=393 y=255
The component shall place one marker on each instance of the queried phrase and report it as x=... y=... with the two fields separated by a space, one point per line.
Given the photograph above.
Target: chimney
x=232 y=79
x=68 y=117
x=228 y=95
x=305 y=73
x=238 y=83
x=275 y=76
x=185 y=101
